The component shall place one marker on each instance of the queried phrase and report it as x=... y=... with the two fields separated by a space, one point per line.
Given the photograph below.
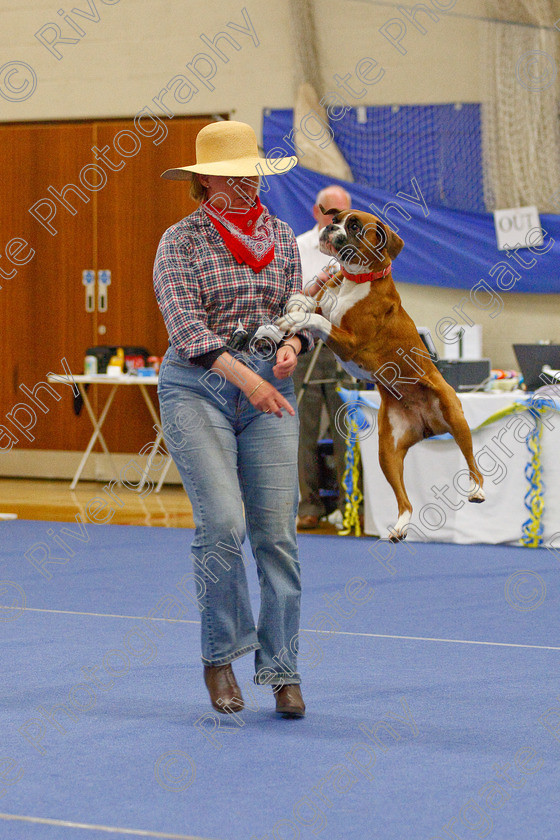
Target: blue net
x=386 y=146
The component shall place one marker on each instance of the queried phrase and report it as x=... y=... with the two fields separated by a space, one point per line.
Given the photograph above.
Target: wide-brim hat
x=230 y=148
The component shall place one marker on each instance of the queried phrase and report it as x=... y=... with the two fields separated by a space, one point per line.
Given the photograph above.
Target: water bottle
x=90 y=365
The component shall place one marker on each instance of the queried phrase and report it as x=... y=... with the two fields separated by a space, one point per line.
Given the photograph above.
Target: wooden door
x=108 y=173
x=133 y=210
x=42 y=307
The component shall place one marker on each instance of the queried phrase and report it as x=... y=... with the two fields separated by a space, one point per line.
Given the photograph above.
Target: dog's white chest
x=336 y=302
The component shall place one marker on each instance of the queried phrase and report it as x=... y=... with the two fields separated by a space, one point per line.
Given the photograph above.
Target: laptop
x=461 y=374
x=532 y=357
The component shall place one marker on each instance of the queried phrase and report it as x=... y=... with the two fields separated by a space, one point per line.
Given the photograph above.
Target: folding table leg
x=97 y=424
x=159 y=436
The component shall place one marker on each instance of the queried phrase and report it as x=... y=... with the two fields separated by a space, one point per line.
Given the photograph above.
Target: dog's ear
x=393 y=243
x=332 y=212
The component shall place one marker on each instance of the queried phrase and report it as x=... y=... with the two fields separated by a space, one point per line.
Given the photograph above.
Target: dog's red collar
x=366 y=278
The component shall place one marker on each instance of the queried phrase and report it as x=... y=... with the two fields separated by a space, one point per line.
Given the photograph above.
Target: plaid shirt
x=203 y=291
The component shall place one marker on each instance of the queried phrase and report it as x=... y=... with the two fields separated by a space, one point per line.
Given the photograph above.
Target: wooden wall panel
x=42 y=312
x=133 y=211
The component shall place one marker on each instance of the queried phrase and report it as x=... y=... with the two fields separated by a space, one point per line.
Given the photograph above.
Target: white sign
x=464 y=341
x=518 y=227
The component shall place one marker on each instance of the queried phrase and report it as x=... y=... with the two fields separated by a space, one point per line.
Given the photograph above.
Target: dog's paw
x=478 y=496
x=301 y=302
x=292 y=321
x=298 y=320
x=476 y=493
x=269 y=332
x=398 y=532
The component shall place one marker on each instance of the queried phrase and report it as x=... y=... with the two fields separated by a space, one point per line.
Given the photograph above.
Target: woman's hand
x=260 y=393
x=286 y=358
x=267 y=399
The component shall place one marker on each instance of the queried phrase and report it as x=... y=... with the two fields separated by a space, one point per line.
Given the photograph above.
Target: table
x=435 y=464
x=115 y=382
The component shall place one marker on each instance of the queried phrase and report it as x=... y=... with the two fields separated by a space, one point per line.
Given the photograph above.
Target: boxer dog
x=359 y=315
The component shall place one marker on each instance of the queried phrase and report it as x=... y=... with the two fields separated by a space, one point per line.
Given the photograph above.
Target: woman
x=229 y=418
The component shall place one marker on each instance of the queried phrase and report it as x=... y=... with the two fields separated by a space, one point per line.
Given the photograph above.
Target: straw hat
x=229 y=148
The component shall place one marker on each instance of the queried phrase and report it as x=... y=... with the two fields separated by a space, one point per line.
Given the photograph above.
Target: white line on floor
x=303 y=629
x=428 y=639
x=136 y=832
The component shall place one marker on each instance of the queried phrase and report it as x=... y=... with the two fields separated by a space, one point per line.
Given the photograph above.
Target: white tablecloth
x=433 y=465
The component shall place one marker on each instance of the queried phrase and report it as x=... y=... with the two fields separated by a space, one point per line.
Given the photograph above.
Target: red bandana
x=247 y=234
x=366 y=278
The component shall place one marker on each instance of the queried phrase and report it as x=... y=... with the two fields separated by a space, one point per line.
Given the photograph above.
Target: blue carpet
x=426 y=701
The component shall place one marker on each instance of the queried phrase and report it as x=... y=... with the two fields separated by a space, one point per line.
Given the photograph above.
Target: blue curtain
x=450 y=248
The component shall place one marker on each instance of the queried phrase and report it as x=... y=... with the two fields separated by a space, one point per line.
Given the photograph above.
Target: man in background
x=313 y=262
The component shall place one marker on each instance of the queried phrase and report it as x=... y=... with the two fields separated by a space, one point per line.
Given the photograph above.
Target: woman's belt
x=260 y=341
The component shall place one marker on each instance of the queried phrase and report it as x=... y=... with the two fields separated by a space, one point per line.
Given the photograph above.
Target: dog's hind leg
x=392 y=451
x=452 y=412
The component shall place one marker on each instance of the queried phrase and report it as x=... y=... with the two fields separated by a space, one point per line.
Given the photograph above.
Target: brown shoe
x=308 y=522
x=225 y=694
x=289 y=702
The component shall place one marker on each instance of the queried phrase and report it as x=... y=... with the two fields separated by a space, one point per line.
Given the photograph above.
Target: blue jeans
x=239 y=469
